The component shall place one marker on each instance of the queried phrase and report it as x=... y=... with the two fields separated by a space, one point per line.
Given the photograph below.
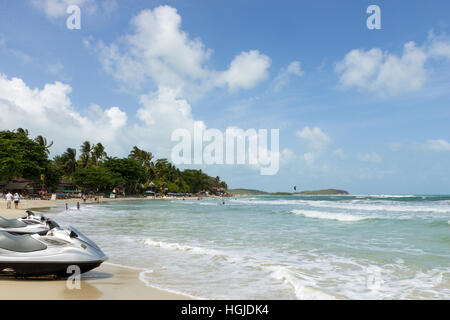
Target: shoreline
x=46 y=205
x=107 y=282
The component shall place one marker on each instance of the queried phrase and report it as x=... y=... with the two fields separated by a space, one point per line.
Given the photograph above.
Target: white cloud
x=339 y=153
x=284 y=76
x=246 y=71
x=295 y=68
x=438 y=145
x=49 y=111
x=439 y=46
x=384 y=73
x=160 y=51
x=57 y=8
x=371 y=157
x=287 y=156
x=315 y=137
x=317 y=141
x=440 y=49
x=165 y=111
x=387 y=74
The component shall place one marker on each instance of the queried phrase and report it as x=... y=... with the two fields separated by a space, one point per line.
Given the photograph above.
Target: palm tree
x=22 y=131
x=144 y=158
x=67 y=162
x=85 y=156
x=98 y=153
x=43 y=142
x=69 y=159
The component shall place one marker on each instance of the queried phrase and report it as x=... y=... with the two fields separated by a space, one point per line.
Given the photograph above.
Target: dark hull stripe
x=46 y=268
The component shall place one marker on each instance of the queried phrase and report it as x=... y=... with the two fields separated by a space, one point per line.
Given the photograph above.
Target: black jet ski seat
x=21 y=243
x=11 y=223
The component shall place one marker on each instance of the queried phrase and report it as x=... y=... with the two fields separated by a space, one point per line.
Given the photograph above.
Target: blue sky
x=358 y=109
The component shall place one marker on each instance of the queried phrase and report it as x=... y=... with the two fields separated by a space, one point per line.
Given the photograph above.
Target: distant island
x=324 y=192
x=306 y=192
x=242 y=192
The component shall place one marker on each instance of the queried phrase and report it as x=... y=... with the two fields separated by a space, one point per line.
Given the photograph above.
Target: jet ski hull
x=52 y=254
x=45 y=268
x=31 y=224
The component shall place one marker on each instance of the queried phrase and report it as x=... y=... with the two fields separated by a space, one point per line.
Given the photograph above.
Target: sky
x=365 y=110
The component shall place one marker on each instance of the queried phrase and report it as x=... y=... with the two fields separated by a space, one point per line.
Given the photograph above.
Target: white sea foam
x=331 y=215
x=126 y=267
x=302 y=291
x=180 y=247
x=362 y=205
x=388 y=195
x=202 y=203
x=378 y=207
x=145 y=278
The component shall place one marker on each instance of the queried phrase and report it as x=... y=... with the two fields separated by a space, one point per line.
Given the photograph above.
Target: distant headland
x=306 y=192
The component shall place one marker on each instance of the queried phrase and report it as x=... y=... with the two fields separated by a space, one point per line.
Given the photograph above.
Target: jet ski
x=27 y=225
x=50 y=254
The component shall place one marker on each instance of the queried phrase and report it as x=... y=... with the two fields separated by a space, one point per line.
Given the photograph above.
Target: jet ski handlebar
x=30 y=213
x=52 y=224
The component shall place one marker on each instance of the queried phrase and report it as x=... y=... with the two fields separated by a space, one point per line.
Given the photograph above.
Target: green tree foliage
x=97 y=179
x=144 y=157
x=85 y=156
x=43 y=142
x=21 y=156
x=53 y=176
x=67 y=162
x=98 y=154
x=132 y=172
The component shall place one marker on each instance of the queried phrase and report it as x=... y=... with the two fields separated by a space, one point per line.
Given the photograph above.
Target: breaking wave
x=332 y=215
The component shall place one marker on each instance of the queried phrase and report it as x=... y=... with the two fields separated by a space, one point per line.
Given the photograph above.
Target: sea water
x=280 y=247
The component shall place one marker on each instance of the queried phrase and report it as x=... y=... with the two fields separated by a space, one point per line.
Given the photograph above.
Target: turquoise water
x=280 y=247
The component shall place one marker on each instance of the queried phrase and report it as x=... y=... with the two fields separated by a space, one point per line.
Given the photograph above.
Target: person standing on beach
x=67 y=206
x=8 y=200
x=78 y=205
x=16 y=201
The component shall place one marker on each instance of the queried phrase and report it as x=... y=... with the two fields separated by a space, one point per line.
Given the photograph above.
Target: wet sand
x=108 y=282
